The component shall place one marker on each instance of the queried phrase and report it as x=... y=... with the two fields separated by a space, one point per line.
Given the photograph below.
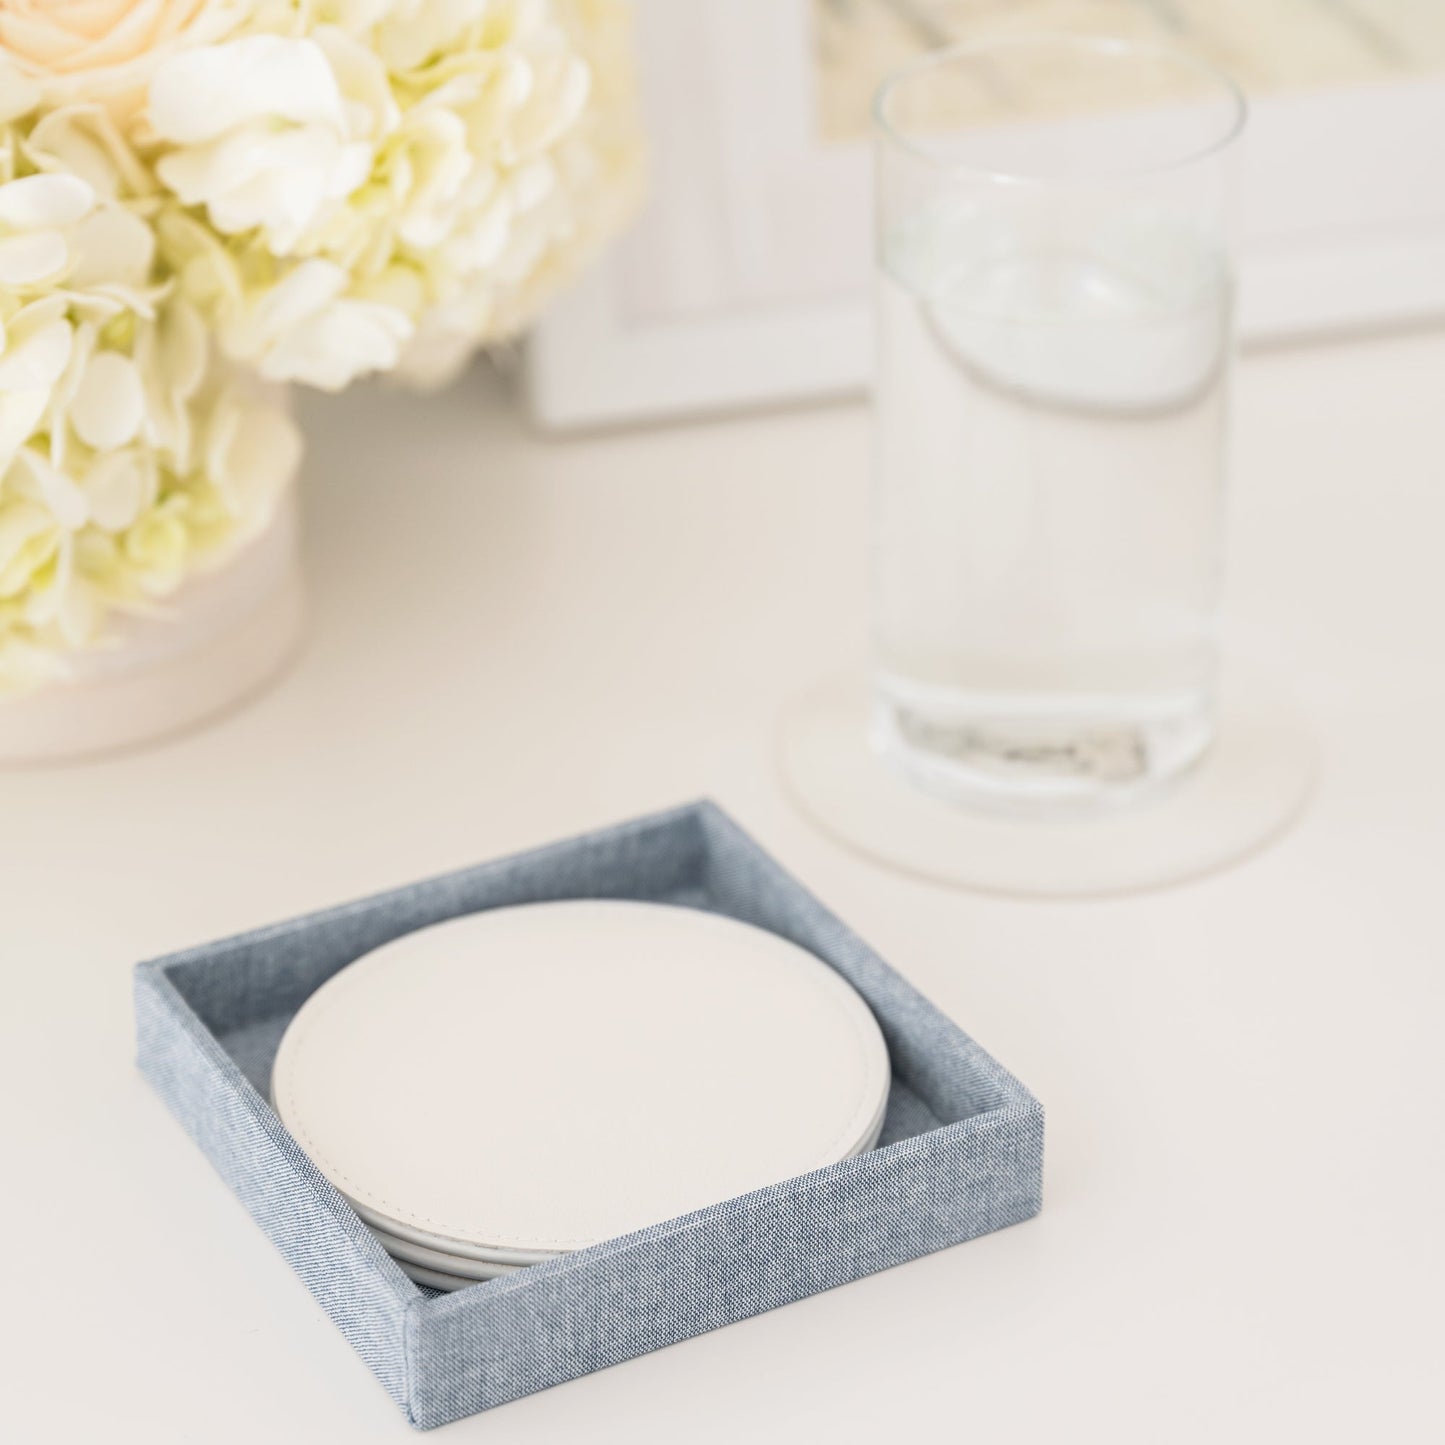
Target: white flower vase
x=220 y=639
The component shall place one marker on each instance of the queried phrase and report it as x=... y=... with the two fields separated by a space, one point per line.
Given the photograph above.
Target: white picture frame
x=745 y=282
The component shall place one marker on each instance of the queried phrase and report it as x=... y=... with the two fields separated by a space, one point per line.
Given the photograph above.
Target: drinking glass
x=1055 y=314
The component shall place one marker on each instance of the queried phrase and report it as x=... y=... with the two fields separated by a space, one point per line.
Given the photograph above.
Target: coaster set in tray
x=497 y=1090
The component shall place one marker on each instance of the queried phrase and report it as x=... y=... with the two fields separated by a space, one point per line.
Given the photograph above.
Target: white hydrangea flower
x=563 y=174
x=307 y=329
x=19 y=94
x=311 y=324
x=199 y=197
x=386 y=184
x=263 y=137
x=128 y=455
x=35 y=214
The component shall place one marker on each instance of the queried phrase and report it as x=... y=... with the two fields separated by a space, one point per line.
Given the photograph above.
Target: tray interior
x=253 y=1043
x=246 y=990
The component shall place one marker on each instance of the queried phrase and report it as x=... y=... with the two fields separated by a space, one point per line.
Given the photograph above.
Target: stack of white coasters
x=494 y=1091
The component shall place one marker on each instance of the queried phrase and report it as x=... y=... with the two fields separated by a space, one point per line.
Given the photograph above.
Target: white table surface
x=515 y=640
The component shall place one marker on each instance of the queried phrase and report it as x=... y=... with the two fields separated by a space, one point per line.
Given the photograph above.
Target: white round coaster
x=457 y=1249
x=535 y=1079
x=1251 y=785
x=405 y=1242
x=435 y=1278
x=405 y=1252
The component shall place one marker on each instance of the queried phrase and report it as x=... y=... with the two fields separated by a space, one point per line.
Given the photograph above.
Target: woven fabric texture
x=961 y=1153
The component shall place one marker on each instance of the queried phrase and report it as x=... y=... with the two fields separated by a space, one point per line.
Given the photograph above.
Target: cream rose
x=106 y=48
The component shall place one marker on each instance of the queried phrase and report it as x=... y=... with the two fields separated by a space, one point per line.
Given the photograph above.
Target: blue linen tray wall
x=961 y=1152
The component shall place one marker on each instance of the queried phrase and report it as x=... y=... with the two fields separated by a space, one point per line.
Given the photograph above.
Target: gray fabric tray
x=961 y=1152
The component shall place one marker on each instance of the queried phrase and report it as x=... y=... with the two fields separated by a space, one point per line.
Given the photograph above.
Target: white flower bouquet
x=203 y=199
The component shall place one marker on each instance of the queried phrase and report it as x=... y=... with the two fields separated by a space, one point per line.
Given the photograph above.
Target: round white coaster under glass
x=1250 y=786
x=517 y=1083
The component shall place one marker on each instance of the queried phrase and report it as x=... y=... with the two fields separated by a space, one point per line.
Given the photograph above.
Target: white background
x=515 y=640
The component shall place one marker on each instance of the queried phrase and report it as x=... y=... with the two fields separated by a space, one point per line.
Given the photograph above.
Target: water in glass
x=1050 y=455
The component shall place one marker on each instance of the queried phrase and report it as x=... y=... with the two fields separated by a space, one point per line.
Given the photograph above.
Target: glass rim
x=1228 y=88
